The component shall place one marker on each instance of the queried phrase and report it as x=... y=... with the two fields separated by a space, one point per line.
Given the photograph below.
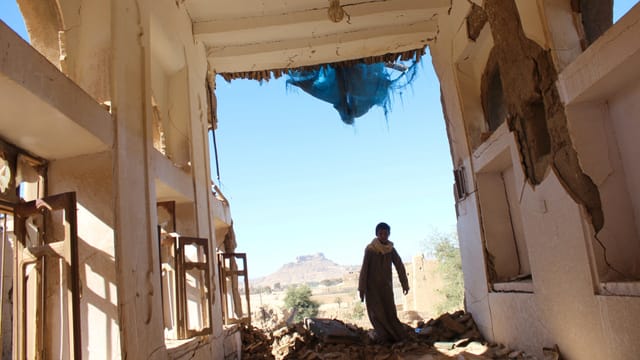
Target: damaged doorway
x=301 y=183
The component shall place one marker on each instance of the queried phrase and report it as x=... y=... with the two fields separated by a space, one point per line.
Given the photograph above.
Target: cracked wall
x=596 y=16
x=568 y=136
x=535 y=112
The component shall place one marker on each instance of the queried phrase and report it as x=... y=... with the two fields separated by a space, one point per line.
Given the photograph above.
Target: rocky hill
x=306 y=269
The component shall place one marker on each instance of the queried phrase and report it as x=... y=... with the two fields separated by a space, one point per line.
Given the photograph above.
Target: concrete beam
x=354 y=13
x=324 y=49
x=27 y=77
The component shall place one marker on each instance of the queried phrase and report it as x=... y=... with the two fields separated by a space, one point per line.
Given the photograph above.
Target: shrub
x=298 y=300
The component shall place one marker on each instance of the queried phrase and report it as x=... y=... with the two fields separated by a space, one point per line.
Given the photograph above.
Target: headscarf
x=377 y=246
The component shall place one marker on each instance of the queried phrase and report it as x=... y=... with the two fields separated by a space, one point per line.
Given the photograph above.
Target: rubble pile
x=449 y=327
x=450 y=336
x=255 y=343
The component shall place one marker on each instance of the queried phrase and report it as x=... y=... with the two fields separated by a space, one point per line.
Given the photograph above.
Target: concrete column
x=139 y=300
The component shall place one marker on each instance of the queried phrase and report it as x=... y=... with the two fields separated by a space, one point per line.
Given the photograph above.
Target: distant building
x=424 y=282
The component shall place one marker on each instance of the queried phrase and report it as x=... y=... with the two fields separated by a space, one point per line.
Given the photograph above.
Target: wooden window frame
x=228 y=273
x=66 y=250
x=182 y=267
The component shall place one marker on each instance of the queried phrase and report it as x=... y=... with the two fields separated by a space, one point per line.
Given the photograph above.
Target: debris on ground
x=450 y=336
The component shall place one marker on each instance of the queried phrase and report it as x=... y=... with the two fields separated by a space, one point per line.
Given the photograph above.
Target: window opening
x=186 y=291
x=47 y=308
x=507 y=256
x=460 y=185
x=234 y=310
x=192 y=280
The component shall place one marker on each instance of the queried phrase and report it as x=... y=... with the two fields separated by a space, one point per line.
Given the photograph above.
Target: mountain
x=307 y=268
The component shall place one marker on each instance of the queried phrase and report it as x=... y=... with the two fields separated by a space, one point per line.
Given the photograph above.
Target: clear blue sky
x=300 y=182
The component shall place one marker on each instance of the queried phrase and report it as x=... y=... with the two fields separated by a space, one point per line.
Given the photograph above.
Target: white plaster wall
x=474 y=266
x=500 y=181
x=470 y=61
x=563 y=309
x=186 y=220
x=90 y=177
x=517 y=317
x=624 y=110
x=563 y=38
x=170 y=89
x=496 y=224
x=599 y=153
x=620 y=323
x=159 y=87
x=441 y=56
x=601 y=92
x=562 y=277
x=513 y=190
x=177 y=122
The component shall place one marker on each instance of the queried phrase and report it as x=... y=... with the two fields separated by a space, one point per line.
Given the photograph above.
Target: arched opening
x=43 y=20
x=80 y=49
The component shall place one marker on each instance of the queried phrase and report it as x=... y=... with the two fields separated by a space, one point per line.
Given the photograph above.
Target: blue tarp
x=352 y=89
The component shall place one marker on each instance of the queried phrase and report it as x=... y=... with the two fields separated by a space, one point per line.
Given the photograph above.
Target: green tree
x=357 y=312
x=298 y=299
x=447 y=252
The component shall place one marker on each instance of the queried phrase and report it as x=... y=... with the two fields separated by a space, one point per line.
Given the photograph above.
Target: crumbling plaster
x=43 y=21
x=601 y=94
x=71 y=35
x=536 y=113
x=595 y=140
x=596 y=17
x=564 y=257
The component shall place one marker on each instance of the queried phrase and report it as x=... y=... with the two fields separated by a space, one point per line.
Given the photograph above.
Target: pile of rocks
x=449 y=327
x=256 y=344
x=450 y=336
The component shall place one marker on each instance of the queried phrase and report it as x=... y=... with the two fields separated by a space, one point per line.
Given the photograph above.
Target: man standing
x=376 y=285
